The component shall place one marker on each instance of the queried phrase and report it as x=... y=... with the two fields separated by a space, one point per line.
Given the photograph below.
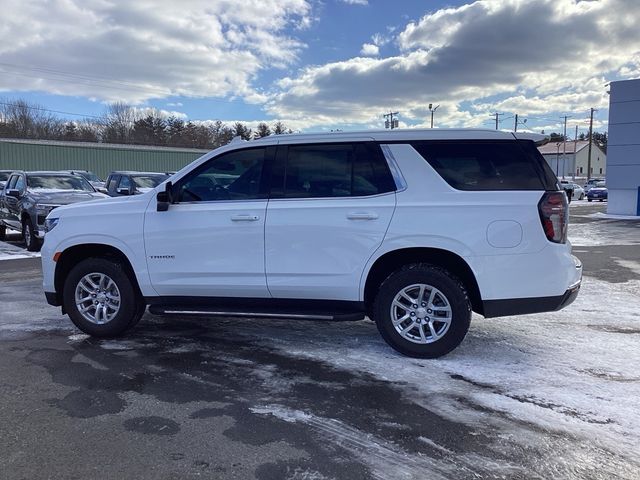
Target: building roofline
x=113 y=146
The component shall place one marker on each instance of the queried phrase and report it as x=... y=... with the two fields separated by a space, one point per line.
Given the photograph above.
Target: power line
x=48 y=110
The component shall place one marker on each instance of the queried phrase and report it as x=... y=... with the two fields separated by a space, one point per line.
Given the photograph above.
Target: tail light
x=554 y=215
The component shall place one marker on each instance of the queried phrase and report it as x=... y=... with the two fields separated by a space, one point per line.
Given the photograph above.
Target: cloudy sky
x=324 y=64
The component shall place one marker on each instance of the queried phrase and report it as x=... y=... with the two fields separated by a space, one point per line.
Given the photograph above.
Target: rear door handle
x=245 y=218
x=362 y=216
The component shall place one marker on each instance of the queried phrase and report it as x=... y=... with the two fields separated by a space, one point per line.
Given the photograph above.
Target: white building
x=575 y=162
x=623 y=180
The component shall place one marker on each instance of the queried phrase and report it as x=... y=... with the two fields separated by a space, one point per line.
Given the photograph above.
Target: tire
x=588 y=199
x=581 y=197
x=129 y=309
x=446 y=289
x=3 y=232
x=29 y=236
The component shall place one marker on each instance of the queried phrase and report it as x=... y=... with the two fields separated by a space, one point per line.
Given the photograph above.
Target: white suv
x=415 y=229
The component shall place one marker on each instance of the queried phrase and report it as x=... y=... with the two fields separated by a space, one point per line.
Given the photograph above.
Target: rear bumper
x=524 y=306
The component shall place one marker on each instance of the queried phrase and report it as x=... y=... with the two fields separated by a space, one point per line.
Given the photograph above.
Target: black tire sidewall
x=449 y=285
x=129 y=307
x=33 y=245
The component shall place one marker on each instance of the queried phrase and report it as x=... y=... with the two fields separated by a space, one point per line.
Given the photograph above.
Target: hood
x=106 y=204
x=63 y=197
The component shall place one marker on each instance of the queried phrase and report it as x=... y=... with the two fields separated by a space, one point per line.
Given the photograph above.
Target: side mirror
x=123 y=191
x=13 y=193
x=165 y=198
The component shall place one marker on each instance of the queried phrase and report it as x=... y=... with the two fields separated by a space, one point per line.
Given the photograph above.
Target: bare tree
x=118 y=122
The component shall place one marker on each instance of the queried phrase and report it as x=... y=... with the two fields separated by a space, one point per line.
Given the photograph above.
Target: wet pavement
x=277 y=399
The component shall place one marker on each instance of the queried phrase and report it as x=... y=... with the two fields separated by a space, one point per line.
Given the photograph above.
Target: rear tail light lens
x=554 y=215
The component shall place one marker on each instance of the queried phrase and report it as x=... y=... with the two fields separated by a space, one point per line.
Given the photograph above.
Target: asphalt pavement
x=241 y=398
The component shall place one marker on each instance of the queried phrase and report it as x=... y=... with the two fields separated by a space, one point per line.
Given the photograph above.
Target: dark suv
x=28 y=197
x=133 y=183
x=4 y=176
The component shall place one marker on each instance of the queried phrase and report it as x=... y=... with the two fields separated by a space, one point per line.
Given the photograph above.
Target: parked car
x=591 y=183
x=4 y=176
x=95 y=181
x=568 y=188
x=133 y=183
x=598 y=192
x=30 y=196
x=578 y=192
x=414 y=228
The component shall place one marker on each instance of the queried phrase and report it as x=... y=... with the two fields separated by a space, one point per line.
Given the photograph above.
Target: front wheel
x=422 y=311
x=29 y=236
x=101 y=299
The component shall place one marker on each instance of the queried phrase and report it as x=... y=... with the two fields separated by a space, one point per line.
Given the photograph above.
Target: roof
x=61 y=173
x=552 y=147
x=115 y=146
x=129 y=172
x=391 y=135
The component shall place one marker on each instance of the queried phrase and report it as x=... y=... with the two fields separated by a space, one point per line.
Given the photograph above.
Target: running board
x=270 y=313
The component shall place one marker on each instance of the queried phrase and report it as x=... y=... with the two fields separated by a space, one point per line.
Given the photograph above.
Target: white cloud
x=133 y=51
x=369 y=50
x=516 y=55
x=356 y=2
x=140 y=112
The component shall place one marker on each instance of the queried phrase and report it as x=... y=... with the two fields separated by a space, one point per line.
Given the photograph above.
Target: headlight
x=50 y=224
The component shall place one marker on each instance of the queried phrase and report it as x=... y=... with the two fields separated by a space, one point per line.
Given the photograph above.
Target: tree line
x=122 y=123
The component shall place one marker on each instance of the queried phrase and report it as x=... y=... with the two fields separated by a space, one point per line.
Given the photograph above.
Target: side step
x=208 y=311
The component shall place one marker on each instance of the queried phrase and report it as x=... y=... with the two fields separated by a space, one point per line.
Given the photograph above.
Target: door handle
x=245 y=218
x=362 y=216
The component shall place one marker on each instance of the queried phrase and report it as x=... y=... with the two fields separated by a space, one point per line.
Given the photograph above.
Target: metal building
x=623 y=179
x=101 y=158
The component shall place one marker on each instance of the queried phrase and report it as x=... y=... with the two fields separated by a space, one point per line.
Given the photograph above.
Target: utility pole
x=515 y=125
x=564 y=146
x=390 y=122
x=590 y=141
x=433 y=110
x=575 y=153
x=497 y=115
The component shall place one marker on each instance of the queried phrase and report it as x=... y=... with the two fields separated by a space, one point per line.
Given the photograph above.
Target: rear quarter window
x=488 y=165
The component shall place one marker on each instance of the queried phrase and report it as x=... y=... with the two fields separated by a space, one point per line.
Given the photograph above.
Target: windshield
x=58 y=182
x=148 y=181
x=92 y=177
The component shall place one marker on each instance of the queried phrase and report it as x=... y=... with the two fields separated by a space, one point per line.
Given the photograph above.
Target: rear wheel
x=29 y=236
x=101 y=299
x=422 y=311
x=3 y=232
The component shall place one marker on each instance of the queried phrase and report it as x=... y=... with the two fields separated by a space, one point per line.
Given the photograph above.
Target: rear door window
x=487 y=165
x=331 y=170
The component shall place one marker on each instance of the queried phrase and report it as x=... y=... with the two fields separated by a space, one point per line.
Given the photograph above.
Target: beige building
x=575 y=162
